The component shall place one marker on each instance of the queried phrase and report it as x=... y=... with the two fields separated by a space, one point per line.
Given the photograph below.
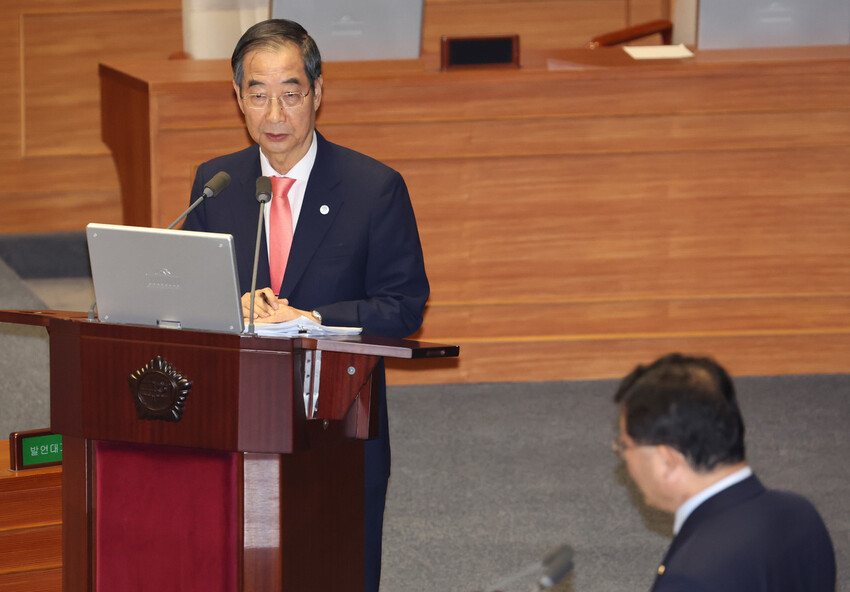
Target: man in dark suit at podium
x=682 y=439
x=340 y=243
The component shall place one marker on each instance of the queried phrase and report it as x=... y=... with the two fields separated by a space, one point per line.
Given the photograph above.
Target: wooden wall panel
x=577 y=319
x=715 y=227
x=61 y=52
x=58 y=194
x=57 y=173
x=10 y=90
x=594 y=358
x=37 y=548
x=49 y=51
x=677 y=226
x=641 y=11
x=583 y=209
x=570 y=136
x=695 y=206
x=598 y=338
x=30 y=527
x=713 y=87
x=48 y=580
x=172 y=171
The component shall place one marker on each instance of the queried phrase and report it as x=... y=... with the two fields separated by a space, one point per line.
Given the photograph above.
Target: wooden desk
x=273 y=442
x=30 y=527
x=579 y=214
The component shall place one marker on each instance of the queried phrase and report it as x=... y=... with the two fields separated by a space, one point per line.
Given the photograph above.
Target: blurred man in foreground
x=681 y=436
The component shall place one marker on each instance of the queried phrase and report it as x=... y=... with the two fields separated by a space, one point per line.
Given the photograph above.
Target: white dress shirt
x=300 y=172
x=695 y=501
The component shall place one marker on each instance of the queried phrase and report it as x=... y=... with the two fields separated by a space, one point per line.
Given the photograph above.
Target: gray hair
x=274 y=34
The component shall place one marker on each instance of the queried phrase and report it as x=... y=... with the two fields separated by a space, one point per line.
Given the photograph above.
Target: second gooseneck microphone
x=213 y=187
x=264 y=195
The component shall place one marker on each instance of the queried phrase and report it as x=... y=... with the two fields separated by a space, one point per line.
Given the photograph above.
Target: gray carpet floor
x=24 y=363
x=488 y=477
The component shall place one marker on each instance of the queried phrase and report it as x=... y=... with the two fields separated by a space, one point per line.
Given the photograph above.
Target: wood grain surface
x=578 y=215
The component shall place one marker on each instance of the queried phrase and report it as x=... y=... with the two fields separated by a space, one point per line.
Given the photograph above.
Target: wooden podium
x=205 y=461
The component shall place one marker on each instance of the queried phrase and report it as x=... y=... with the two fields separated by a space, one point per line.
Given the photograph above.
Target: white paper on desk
x=302 y=326
x=658 y=52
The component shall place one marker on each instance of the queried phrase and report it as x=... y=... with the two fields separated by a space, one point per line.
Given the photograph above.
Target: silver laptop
x=353 y=30
x=165 y=278
x=728 y=24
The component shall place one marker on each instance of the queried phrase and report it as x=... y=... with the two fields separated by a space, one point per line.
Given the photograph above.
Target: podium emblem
x=159 y=391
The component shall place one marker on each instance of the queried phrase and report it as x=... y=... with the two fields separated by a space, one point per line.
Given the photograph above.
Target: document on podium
x=302 y=326
x=658 y=52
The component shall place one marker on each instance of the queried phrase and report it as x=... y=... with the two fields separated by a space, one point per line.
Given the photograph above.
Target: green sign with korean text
x=38 y=450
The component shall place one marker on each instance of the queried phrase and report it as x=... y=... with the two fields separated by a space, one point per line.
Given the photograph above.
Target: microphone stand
x=186 y=212
x=554 y=567
x=264 y=195
x=214 y=186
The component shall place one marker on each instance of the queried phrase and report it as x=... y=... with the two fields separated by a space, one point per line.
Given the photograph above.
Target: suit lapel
x=730 y=497
x=322 y=202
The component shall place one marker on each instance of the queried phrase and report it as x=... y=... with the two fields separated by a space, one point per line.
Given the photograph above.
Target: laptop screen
x=353 y=30
x=166 y=278
x=728 y=24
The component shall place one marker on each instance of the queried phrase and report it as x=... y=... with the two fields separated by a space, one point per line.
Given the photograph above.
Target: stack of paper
x=302 y=326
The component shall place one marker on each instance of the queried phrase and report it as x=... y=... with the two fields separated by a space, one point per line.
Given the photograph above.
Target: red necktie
x=280 y=230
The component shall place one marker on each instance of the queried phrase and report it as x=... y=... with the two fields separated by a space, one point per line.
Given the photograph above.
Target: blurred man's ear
x=675 y=465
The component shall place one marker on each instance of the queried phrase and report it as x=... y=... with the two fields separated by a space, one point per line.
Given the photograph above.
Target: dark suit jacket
x=750 y=539
x=359 y=265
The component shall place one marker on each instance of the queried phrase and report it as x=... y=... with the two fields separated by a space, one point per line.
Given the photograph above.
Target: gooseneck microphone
x=553 y=568
x=264 y=195
x=213 y=187
x=556 y=565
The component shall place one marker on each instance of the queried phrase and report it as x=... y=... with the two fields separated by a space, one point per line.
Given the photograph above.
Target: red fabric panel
x=166 y=519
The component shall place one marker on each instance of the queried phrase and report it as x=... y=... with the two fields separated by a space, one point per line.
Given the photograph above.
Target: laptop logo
x=163 y=280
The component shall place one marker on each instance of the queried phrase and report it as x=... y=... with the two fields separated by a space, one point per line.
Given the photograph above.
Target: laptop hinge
x=168 y=324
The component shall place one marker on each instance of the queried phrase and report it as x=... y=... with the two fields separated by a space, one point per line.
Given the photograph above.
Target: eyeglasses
x=287 y=100
x=619 y=447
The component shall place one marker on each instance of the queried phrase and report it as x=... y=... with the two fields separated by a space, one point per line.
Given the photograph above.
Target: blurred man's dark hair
x=687 y=403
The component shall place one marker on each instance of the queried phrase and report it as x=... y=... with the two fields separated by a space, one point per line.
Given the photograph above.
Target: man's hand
x=265 y=303
x=270 y=309
x=287 y=313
